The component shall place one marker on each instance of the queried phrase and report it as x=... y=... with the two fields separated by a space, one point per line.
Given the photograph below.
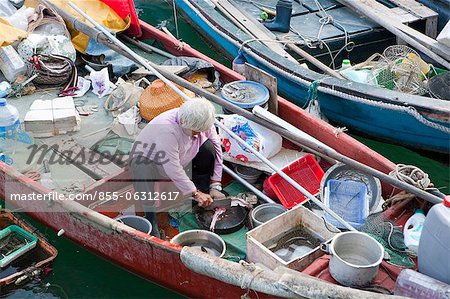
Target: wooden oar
x=93 y=33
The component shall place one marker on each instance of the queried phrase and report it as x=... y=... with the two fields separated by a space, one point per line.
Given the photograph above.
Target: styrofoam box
x=274 y=228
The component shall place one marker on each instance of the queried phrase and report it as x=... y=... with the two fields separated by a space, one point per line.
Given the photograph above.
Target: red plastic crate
x=306 y=172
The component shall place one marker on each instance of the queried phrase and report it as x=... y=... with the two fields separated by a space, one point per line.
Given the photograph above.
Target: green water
x=80 y=274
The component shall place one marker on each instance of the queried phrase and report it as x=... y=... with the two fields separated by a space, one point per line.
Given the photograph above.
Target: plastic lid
x=447 y=201
x=2 y=102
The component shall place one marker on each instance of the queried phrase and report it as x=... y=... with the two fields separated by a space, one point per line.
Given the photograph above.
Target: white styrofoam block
x=63 y=103
x=41 y=105
x=39 y=115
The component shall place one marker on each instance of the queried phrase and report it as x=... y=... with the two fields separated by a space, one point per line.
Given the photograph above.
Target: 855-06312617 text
x=130 y=196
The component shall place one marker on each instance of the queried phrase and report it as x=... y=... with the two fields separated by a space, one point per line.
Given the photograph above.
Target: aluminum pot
x=207 y=241
x=355 y=258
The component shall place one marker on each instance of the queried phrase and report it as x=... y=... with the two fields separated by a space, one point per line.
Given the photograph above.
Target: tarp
x=9 y=33
x=97 y=10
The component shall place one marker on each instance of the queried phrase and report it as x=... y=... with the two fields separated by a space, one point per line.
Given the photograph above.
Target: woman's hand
x=203 y=199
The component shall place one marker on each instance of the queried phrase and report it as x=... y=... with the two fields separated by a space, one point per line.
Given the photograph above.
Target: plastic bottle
x=360 y=76
x=412 y=284
x=11 y=64
x=434 y=246
x=9 y=125
x=239 y=63
x=346 y=64
x=413 y=229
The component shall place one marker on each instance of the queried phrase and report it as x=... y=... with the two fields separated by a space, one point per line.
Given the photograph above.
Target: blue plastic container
x=348 y=200
x=246 y=94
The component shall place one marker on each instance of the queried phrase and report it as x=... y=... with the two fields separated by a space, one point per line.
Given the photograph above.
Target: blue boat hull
x=388 y=122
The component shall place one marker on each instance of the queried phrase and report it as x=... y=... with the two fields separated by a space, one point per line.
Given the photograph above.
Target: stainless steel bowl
x=207 y=241
x=265 y=212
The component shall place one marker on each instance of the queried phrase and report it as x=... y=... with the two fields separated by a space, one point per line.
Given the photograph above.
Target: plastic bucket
x=136 y=222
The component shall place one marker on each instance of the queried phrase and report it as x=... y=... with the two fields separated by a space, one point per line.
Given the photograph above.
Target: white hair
x=197 y=114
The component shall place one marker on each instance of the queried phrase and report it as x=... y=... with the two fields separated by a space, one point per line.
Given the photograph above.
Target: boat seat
x=408 y=11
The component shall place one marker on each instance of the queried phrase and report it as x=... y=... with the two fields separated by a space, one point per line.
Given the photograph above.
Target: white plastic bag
x=6 y=8
x=265 y=141
x=101 y=86
x=20 y=18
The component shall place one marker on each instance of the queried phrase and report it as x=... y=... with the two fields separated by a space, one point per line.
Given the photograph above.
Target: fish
x=217 y=213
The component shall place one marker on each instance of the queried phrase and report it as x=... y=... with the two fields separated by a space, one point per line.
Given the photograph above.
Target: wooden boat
x=415 y=121
x=158 y=260
x=32 y=264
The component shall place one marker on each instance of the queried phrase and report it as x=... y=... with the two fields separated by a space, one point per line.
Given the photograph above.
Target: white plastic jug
x=434 y=246
x=413 y=229
x=11 y=64
x=9 y=126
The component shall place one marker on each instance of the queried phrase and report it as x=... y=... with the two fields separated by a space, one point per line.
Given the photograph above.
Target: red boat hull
x=144 y=255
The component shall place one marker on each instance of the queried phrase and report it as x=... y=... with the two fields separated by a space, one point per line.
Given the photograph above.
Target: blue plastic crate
x=348 y=200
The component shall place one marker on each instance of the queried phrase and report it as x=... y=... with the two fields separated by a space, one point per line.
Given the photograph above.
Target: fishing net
x=401 y=68
x=391 y=237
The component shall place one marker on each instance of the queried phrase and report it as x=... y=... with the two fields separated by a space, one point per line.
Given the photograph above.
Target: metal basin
x=265 y=212
x=207 y=241
x=347 y=173
x=249 y=174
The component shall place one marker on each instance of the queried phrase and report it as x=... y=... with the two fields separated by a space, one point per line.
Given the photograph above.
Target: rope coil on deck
x=412 y=175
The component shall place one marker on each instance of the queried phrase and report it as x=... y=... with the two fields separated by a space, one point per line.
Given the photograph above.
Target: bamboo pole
x=315 y=61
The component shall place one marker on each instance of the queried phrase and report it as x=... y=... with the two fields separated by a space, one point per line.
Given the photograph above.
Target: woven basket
x=159 y=98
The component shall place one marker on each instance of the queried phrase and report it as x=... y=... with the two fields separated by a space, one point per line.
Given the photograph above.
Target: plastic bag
x=20 y=18
x=6 y=8
x=265 y=141
x=42 y=44
x=101 y=85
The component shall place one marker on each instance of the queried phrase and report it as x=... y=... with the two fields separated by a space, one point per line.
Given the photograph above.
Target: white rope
x=412 y=175
x=407 y=109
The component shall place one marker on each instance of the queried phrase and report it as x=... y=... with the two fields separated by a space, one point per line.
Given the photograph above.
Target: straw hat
x=159 y=98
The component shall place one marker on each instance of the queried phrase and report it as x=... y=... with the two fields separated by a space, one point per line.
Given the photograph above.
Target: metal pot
x=355 y=258
x=207 y=241
x=265 y=212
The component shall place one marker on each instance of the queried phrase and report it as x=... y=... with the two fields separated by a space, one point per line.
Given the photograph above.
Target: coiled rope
x=412 y=175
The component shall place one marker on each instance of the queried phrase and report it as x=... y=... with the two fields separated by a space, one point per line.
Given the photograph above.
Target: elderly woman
x=182 y=145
